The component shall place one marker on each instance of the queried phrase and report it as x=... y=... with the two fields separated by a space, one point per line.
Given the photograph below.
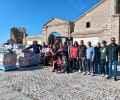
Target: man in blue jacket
x=36 y=50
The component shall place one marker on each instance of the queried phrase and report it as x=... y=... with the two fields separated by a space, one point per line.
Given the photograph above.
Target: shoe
x=115 y=79
x=102 y=75
x=106 y=76
x=88 y=73
x=74 y=71
x=59 y=71
x=53 y=70
x=80 y=71
x=84 y=73
x=35 y=64
x=92 y=74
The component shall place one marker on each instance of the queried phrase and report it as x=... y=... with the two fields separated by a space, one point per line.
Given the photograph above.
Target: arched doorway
x=53 y=37
x=65 y=28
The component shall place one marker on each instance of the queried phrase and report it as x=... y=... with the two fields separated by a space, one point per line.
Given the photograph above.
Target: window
x=88 y=25
x=117 y=6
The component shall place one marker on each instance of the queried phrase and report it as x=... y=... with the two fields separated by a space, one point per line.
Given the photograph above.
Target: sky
x=33 y=14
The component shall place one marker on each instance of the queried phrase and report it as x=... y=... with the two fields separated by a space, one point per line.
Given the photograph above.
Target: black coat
x=82 y=51
x=112 y=51
x=36 y=48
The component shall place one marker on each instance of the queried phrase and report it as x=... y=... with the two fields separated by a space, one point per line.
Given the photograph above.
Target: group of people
x=89 y=60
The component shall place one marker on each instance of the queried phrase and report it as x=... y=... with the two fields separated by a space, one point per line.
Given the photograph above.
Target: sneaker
x=102 y=75
x=92 y=74
x=74 y=71
x=106 y=76
x=80 y=71
x=115 y=79
x=59 y=71
x=88 y=73
x=84 y=73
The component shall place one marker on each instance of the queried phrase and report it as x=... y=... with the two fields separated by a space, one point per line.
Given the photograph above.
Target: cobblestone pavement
x=41 y=84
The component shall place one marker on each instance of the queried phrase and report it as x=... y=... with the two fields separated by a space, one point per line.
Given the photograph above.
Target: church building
x=99 y=23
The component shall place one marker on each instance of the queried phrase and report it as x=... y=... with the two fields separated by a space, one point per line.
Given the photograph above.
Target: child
x=57 y=64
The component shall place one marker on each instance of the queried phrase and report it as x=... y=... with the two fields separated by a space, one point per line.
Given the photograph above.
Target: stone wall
x=57 y=25
x=18 y=35
x=101 y=17
x=97 y=16
x=30 y=39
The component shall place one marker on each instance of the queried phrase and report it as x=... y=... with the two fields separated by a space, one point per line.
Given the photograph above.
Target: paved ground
x=41 y=84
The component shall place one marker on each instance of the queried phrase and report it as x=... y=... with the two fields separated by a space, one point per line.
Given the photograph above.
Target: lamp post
x=69 y=31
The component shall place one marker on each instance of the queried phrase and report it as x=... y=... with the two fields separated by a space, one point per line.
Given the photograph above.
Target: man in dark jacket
x=36 y=50
x=112 y=56
x=97 y=64
x=82 y=57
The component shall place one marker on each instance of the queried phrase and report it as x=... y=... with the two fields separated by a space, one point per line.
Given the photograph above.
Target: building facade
x=101 y=22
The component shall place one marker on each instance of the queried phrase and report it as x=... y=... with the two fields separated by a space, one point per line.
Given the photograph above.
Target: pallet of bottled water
x=25 y=58
x=7 y=61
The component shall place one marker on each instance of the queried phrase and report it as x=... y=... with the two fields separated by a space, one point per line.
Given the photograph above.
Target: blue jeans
x=97 y=65
x=43 y=56
x=36 y=58
x=115 y=62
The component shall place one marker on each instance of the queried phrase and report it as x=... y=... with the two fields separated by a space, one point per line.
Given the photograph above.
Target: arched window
x=117 y=6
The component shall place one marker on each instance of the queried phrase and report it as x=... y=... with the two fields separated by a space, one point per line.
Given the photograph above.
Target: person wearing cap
x=104 y=64
x=112 y=56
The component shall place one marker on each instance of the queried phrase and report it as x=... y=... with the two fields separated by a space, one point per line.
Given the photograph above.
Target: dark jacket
x=82 y=51
x=112 y=52
x=36 y=48
x=97 y=53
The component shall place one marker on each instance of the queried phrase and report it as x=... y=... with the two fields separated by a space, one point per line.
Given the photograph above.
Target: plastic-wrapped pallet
x=18 y=52
x=26 y=58
x=7 y=61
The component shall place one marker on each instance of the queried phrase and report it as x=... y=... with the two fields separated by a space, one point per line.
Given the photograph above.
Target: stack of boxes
x=25 y=58
x=7 y=61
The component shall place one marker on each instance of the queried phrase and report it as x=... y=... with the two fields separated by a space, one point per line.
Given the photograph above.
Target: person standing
x=47 y=55
x=112 y=56
x=43 y=51
x=90 y=55
x=97 y=62
x=54 y=52
x=74 y=55
x=61 y=51
x=104 y=63
x=36 y=50
x=82 y=57
x=70 y=44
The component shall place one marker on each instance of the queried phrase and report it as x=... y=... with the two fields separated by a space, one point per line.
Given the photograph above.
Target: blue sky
x=33 y=14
